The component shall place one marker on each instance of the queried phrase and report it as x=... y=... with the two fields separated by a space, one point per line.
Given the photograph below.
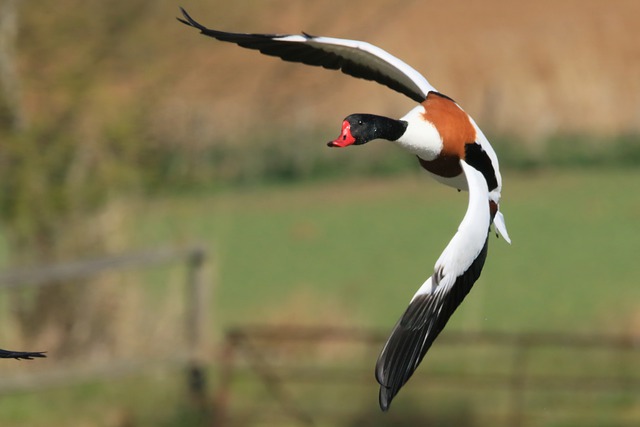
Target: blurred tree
x=60 y=179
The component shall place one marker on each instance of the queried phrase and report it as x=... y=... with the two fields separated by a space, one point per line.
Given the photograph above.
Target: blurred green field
x=354 y=251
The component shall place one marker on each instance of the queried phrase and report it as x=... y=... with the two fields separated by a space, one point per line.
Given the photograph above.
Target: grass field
x=353 y=252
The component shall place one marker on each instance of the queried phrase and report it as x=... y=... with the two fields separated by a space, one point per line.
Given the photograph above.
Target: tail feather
x=501 y=227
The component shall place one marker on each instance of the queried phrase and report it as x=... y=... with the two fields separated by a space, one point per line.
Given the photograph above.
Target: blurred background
x=178 y=238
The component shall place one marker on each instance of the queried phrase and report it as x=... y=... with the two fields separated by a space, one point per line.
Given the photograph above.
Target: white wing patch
x=377 y=58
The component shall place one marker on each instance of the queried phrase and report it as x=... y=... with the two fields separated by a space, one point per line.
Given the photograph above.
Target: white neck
x=421 y=137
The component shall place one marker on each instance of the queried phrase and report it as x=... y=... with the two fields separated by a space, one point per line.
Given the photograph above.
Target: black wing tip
x=385 y=397
x=22 y=355
x=406 y=346
x=188 y=20
x=386 y=394
x=33 y=355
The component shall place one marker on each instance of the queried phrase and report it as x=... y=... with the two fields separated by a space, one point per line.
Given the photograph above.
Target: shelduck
x=448 y=145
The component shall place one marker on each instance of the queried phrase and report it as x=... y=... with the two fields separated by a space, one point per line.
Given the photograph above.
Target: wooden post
x=196 y=303
x=518 y=378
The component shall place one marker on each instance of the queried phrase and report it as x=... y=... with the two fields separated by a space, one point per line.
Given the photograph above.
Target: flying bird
x=29 y=355
x=447 y=144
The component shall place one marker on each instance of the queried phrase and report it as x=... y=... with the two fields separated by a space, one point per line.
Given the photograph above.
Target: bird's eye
x=360 y=122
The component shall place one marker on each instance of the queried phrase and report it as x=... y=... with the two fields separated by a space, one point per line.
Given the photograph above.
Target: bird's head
x=358 y=129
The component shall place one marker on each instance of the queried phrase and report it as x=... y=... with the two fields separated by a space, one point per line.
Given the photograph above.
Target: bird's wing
x=352 y=57
x=8 y=354
x=455 y=272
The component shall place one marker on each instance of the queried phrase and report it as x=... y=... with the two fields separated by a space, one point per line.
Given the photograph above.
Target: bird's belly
x=446 y=170
x=458 y=182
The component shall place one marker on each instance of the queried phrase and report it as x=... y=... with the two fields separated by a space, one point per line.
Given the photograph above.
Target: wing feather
x=456 y=271
x=8 y=354
x=355 y=58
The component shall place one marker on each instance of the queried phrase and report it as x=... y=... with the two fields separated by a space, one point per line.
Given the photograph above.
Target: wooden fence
x=190 y=356
x=304 y=376
x=502 y=379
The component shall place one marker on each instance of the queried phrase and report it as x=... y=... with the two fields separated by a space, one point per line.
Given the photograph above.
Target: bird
x=448 y=145
x=28 y=355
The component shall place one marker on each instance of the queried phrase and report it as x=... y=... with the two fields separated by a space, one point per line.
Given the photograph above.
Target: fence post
x=518 y=378
x=195 y=321
x=221 y=399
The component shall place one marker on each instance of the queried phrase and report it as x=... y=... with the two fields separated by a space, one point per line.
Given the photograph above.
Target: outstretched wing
x=352 y=57
x=8 y=354
x=456 y=271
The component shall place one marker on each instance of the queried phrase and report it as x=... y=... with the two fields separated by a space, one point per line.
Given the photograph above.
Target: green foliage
x=69 y=162
x=273 y=157
x=280 y=157
x=48 y=181
x=583 y=151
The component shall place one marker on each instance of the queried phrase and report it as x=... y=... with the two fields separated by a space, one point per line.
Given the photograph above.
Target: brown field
x=525 y=68
x=530 y=69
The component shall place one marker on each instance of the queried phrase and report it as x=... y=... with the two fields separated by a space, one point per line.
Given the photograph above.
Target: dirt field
x=530 y=69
